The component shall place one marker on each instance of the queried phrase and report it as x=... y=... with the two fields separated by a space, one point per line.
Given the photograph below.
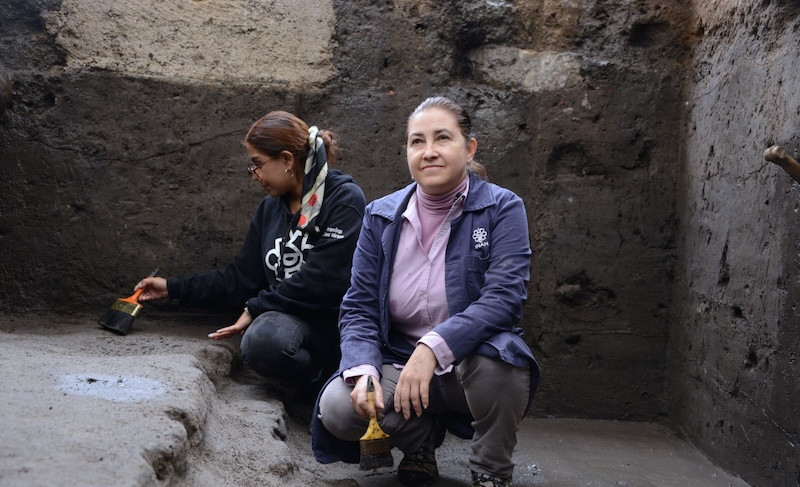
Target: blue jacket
x=487 y=269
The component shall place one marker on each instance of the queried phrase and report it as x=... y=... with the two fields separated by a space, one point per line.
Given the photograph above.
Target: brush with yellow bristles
x=120 y=317
x=376 y=448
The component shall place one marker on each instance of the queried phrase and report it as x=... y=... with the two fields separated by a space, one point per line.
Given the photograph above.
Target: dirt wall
x=113 y=166
x=279 y=42
x=733 y=381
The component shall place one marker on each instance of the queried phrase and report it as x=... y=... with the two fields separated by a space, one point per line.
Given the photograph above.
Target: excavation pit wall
x=733 y=381
x=115 y=163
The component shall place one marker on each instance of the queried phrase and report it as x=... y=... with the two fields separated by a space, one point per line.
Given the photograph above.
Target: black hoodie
x=305 y=275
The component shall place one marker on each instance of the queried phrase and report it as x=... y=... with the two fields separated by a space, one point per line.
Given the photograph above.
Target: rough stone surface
x=279 y=42
x=733 y=381
x=82 y=409
x=545 y=71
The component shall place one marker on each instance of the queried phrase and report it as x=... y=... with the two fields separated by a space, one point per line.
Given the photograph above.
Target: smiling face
x=438 y=153
x=271 y=172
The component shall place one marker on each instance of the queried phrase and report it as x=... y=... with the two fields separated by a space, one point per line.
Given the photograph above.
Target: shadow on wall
x=5 y=91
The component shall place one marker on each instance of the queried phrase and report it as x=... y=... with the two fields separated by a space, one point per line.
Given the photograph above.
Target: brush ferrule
x=128 y=308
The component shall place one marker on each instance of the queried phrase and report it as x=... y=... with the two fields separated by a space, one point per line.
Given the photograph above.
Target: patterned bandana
x=316 y=171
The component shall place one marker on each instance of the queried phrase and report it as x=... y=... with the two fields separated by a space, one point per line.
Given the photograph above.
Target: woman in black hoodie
x=294 y=266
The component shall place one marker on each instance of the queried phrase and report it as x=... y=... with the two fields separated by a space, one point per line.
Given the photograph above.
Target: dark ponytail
x=280 y=131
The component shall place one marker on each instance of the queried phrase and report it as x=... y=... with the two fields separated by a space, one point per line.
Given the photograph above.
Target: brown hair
x=463 y=121
x=280 y=131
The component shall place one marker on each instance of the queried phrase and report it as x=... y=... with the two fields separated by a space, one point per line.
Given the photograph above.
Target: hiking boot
x=418 y=468
x=486 y=480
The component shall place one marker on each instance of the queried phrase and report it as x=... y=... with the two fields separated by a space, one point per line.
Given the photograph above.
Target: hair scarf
x=316 y=170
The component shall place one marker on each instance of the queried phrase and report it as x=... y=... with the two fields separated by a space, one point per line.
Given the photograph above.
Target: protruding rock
x=527 y=70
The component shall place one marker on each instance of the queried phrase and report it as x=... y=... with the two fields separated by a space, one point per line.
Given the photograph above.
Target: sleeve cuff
x=444 y=356
x=351 y=375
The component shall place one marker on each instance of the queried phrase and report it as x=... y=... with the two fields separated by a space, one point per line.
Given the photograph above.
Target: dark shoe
x=486 y=480
x=418 y=469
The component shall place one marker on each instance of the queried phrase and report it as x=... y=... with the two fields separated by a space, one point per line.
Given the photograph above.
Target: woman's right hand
x=154 y=288
x=358 y=397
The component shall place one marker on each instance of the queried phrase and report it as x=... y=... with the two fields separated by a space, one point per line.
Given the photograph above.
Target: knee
x=493 y=373
x=262 y=349
x=263 y=337
x=250 y=341
x=254 y=343
x=337 y=413
x=484 y=377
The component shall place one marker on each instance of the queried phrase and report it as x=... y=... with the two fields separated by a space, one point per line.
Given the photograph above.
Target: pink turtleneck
x=432 y=211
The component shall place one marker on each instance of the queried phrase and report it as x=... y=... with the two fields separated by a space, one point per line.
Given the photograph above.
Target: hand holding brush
x=153 y=288
x=375 y=445
x=122 y=313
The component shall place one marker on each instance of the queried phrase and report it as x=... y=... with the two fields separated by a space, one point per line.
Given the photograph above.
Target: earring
x=289 y=173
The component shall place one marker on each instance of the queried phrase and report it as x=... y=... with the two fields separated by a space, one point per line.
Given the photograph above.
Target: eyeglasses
x=252 y=167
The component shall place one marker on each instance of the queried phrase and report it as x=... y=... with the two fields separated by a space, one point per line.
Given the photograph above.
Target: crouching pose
x=294 y=266
x=438 y=282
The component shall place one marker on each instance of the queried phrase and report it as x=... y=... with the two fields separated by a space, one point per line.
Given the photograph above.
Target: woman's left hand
x=239 y=327
x=413 y=386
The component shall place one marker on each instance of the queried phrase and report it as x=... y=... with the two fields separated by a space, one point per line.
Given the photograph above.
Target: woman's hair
x=463 y=121
x=280 y=131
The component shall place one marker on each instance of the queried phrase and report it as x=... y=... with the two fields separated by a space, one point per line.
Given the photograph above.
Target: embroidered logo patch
x=479 y=236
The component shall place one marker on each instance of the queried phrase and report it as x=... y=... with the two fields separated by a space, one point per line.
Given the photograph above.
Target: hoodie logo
x=291 y=252
x=479 y=236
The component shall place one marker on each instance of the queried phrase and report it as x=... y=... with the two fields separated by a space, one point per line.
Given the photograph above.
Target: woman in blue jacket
x=438 y=282
x=294 y=266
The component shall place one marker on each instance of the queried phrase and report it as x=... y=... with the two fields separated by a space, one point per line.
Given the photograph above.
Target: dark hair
x=463 y=121
x=280 y=131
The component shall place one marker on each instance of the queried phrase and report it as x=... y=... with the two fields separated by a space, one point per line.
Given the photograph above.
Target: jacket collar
x=392 y=206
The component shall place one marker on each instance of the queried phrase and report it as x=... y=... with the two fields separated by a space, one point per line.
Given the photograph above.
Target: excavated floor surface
x=166 y=406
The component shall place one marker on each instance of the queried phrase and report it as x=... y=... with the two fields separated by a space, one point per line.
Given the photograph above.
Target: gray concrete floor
x=166 y=406
x=578 y=452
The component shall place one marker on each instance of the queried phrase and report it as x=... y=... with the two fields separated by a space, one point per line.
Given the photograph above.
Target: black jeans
x=283 y=346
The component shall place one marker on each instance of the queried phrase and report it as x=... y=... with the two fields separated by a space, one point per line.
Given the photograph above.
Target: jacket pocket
x=476 y=270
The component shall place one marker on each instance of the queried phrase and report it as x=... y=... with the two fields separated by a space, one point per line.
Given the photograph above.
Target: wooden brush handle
x=374 y=431
x=371 y=392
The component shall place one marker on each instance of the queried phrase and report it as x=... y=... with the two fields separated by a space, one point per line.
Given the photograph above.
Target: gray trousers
x=492 y=391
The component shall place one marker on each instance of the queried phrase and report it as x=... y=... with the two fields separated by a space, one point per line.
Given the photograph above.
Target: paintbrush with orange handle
x=122 y=313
